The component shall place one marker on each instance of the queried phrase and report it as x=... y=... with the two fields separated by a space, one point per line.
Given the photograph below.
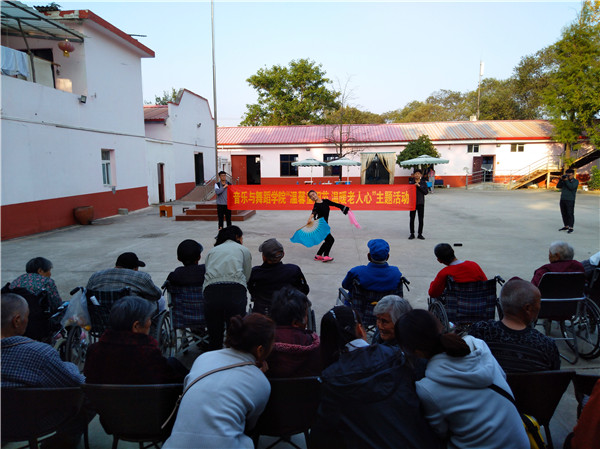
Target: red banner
x=286 y=197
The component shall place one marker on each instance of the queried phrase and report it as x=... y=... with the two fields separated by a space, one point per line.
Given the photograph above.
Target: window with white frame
x=517 y=147
x=473 y=148
x=108 y=178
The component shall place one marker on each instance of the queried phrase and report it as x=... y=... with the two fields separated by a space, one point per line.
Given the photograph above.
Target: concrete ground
x=507 y=232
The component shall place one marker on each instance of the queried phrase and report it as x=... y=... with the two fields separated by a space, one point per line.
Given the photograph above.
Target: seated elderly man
x=191 y=274
x=30 y=363
x=296 y=351
x=377 y=275
x=126 y=354
x=561 y=260
x=272 y=275
x=388 y=310
x=514 y=343
x=460 y=270
x=126 y=274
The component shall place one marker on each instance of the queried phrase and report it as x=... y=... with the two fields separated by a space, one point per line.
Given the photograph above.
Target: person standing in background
x=568 y=186
x=421 y=187
x=221 y=190
x=431 y=176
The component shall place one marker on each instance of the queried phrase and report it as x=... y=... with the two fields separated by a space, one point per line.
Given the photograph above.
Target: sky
x=389 y=53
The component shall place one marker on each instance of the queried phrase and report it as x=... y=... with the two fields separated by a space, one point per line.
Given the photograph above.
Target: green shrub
x=594 y=182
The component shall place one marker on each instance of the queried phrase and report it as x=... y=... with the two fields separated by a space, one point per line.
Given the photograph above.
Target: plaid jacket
x=30 y=363
x=139 y=282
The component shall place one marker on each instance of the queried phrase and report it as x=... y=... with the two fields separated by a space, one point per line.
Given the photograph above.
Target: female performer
x=321 y=209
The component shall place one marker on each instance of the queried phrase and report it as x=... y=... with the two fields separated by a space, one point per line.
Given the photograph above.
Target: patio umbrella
x=424 y=159
x=344 y=161
x=310 y=162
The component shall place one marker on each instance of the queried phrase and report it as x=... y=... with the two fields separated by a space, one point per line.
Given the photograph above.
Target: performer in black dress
x=321 y=210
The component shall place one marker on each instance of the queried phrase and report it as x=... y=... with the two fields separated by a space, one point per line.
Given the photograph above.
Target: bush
x=594 y=182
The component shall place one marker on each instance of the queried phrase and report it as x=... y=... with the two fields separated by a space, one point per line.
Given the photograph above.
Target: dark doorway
x=199 y=168
x=253 y=169
x=487 y=165
x=376 y=173
x=161 y=183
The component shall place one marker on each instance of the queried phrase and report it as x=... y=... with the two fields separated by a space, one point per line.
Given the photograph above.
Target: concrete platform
x=507 y=232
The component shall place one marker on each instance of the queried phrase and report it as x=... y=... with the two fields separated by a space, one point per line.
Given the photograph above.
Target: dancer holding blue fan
x=321 y=210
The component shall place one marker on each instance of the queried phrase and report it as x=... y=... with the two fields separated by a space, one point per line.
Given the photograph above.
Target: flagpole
x=214 y=67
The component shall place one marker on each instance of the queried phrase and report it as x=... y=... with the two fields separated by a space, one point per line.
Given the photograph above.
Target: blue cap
x=379 y=249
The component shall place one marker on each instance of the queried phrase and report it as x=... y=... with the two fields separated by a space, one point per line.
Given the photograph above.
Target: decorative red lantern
x=66 y=47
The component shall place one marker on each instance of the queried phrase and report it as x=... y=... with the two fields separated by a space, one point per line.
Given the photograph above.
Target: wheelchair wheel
x=438 y=311
x=162 y=330
x=587 y=330
x=76 y=346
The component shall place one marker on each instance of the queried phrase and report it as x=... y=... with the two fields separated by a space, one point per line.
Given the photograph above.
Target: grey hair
x=395 y=305
x=12 y=304
x=562 y=249
x=516 y=294
x=128 y=310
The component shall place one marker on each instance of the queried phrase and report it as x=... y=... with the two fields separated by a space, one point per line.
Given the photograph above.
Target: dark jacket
x=187 y=276
x=568 y=189
x=296 y=353
x=560 y=266
x=369 y=401
x=322 y=209
x=421 y=189
x=268 y=278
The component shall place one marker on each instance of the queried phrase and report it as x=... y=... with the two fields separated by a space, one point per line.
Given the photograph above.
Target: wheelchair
x=186 y=304
x=364 y=301
x=464 y=303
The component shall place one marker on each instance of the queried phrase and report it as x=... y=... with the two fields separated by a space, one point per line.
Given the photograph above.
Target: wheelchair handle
x=75 y=290
x=499 y=280
x=406 y=282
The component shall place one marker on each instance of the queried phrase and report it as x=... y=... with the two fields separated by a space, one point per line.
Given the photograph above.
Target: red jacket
x=560 y=266
x=465 y=271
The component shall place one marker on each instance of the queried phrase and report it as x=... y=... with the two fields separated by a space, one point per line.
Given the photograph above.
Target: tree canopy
x=167 y=97
x=295 y=95
x=416 y=148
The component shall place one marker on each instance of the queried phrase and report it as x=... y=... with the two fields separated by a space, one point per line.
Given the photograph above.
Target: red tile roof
x=155 y=113
x=394 y=132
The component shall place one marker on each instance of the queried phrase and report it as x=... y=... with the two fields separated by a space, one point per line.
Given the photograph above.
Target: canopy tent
x=344 y=162
x=310 y=162
x=424 y=159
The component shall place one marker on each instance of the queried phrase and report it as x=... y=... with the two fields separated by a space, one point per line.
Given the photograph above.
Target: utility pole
x=214 y=66
x=479 y=86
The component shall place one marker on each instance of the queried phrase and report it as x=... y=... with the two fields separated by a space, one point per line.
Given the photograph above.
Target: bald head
x=517 y=295
x=15 y=313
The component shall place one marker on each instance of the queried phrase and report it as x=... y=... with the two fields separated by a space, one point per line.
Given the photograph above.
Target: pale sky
x=392 y=52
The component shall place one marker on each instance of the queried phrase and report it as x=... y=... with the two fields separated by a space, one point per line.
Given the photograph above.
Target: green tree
x=497 y=100
x=294 y=95
x=440 y=106
x=572 y=96
x=166 y=97
x=530 y=78
x=349 y=114
x=416 y=148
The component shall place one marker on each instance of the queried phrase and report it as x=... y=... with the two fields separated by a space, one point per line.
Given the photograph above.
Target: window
x=331 y=171
x=108 y=166
x=285 y=165
x=517 y=147
x=473 y=148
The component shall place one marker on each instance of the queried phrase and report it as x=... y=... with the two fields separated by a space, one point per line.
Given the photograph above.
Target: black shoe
x=412 y=236
x=420 y=237
x=570 y=230
x=564 y=228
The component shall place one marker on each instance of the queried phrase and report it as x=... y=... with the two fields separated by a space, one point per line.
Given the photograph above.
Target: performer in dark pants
x=568 y=186
x=321 y=209
x=422 y=190
x=223 y=213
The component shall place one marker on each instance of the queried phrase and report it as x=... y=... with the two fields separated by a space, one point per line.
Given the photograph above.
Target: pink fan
x=353 y=219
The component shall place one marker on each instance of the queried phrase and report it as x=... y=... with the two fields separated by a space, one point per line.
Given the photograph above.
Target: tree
x=572 y=95
x=349 y=114
x=167 y=97
x=294 y=95
x=531 y=77
x=440 y=106
x=416 y=148
x=497 y=100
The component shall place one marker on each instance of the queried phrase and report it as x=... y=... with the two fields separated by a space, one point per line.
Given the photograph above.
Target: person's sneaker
x=420 y=237
x=564 y=228
x=317 y=257
x=412 y=236
x=570 y=230
x=327 y=259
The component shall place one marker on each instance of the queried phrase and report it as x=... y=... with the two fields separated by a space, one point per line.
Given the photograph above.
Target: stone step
x=211 y=215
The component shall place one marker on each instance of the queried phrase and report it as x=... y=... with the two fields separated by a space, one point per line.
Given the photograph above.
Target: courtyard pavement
x=507 y=232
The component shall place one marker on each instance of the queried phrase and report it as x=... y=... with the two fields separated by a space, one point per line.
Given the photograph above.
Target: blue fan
x=312 y=234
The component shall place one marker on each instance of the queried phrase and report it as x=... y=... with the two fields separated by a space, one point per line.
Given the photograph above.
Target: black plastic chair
x=539 y=393
x=465 y=303
x=583 y=385
x=563 y=300
x=134 y=412
x=32 y=413
x=364 y=301
x=291 y=410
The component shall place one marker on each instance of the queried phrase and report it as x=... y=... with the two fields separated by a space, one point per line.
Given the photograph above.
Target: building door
x=476 y=173
x=376 y=173
x=161 y=182
x=199 y=168
x=253 y=169
x=487 y=165
x=239 y=170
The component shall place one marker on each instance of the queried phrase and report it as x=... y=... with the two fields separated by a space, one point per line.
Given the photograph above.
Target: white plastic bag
x=77 y=313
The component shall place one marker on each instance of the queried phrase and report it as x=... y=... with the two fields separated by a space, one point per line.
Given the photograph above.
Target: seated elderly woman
x=388 y=310
x=561 y=260
x=368 y=395
x=37 y=278
x=296 y=350
x=126 y=354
